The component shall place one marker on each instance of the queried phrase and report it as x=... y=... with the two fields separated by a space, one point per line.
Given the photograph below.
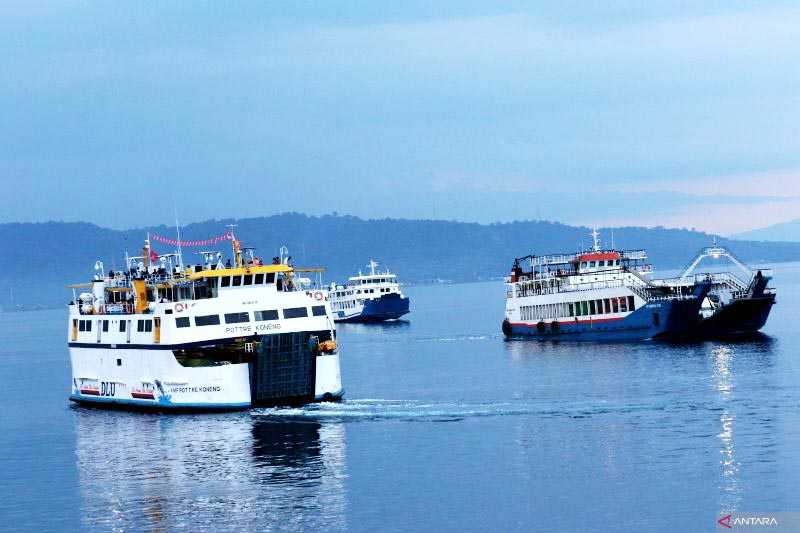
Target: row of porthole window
x=247 y=279
x=258 y=316
x=603 y=306
x=141 y=325
x=592 y=264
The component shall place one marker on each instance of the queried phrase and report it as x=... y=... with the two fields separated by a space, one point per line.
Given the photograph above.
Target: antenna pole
x=178 y=231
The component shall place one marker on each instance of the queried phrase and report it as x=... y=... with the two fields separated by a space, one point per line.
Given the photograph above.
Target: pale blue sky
x=654 y=113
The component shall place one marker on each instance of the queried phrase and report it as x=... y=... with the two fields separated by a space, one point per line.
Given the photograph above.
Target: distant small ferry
x=168 y=336
x=372 y=297
x=596 y=295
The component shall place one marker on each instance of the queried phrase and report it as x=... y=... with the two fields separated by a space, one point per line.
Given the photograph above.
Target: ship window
x=601 y=263
x=271 y=277
x=259 y=279
x=318 y=310
x=140 y=325
x=82 y=325
x=578 y=309
x=592 y=264
x=295 y=312
x=571 y=309
x=271 y=314
x=623 y=304
x=248 y=279
x=237 y=281
x=206 y=320
x=615 y=305
x=599 y=306
x=631 y=305
x=122 y=326
x=235 y=318
x=225 y=282
x=607 y=305
x=585 y=307
x=88 y=325
x=105 y=326
x=182 y=322
x=592 y=309
x=148 y=325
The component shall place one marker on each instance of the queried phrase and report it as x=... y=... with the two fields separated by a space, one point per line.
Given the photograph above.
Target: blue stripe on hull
x=387 y=307
x=151 y=405
x=100 y=401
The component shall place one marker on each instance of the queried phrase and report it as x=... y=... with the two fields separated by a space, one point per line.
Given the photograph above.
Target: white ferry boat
x=596 y=295
x=207 y=336
x=372 y=297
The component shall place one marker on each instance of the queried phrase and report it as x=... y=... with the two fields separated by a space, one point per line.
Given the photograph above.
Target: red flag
x=153 y=256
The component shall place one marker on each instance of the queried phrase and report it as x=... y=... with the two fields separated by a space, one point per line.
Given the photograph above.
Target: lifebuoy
x=179 y=307
x=318 y=296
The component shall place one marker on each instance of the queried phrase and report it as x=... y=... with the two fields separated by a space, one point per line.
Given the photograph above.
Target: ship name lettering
x=239 y=329
x=264 y=327
x=201 y=388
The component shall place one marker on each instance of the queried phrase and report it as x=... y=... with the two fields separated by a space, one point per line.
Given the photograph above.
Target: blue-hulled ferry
x=596 y=295
x=373 y=297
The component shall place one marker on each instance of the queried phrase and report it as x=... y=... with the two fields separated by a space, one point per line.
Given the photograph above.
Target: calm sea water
x=446 y=426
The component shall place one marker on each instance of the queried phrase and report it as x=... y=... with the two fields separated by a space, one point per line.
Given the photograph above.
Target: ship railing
x=555 y=259
x=638 y=287
x=537 y=288
x=637 y=255
x=717 y=279
x=117 y=283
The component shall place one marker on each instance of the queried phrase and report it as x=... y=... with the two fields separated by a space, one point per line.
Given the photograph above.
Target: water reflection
x=744 y=359
x=373 y=328
x=232 y=471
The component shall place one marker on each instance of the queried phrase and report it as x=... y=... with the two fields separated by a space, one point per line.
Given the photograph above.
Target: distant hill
x=41 y=258
x=786 y=231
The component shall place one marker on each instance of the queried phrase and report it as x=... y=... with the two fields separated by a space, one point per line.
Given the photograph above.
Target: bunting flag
x=204 y=242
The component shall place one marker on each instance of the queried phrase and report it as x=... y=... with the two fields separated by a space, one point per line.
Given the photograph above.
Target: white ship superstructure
x=205 y=336
x=372 y=297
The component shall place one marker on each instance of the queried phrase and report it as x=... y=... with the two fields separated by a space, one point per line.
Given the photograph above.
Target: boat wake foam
x=381 y=409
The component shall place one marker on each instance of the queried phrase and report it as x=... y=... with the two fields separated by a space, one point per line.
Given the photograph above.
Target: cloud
x=575 y=111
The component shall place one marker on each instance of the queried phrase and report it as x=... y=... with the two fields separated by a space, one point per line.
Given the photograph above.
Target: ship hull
x=740 y=317
x=387 y=307
x=153 y=379
x=659 y=320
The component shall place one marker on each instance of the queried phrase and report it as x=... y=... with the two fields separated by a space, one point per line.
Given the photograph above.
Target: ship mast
x=595 y=239
x=237 y=246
